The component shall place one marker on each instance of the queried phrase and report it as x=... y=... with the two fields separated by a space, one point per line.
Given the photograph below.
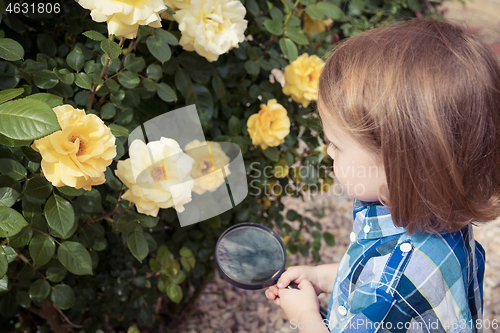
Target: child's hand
x=297 y=303
x=294 y=274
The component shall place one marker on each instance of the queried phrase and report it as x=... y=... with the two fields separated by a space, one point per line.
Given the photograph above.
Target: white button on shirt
x=353 y=236
x=366 y=229
x=342 y=310
x=405 y=247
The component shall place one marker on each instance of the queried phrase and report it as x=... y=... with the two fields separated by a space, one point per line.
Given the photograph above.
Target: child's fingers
x=288 y=276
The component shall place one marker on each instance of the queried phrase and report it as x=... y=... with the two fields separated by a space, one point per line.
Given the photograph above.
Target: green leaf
x=179 y=278
x=185 y=252
x=185 y=264
x=83 y=80
x=37 y=189
x=289 y=49
x=10 y=253
x=59 y=214
x=23 y=298
x=147 y=221
x=329 y=238
x=234 y=126
x=315 y=12
x=330 y=10
x=108 y=111
x=46 y=45
x=129 y=79
x=22 y=238
x=154 y=72
x=56 y=273
x=42 y=248
x=13 y=143
x=10 y=49
x=4 y=285
x=8 y=94
x=12 y=168
x=39 y=290
x=11 y=222
x=183 y=83
x=134 y=64
x=274 y=26
x=118 y=130
x=159 y=48
x=296 y=35
x=63 y=296
x=75 y=59
x=112 y=49
x=174 y=292
x=137 y=244
x=94 y=35
x=166 y=93
x=51 y=100
x=70 y=191
x=75 y=258
x=272 y=153
x=166 y=36
x=125 y=225
x=27 y=119
x=252 y=67
x=4 y=264
x=65 y=76
x=8 y=196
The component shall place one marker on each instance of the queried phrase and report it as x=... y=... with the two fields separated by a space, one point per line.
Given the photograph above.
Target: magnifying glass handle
x=322 y=310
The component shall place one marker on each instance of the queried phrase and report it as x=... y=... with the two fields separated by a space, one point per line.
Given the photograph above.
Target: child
x=412 y=111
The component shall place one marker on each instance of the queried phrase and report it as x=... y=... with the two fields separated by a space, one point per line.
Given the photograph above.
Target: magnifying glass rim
x=250 y=286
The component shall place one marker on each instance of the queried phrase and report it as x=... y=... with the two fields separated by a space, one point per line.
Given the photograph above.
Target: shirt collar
x=373 y=220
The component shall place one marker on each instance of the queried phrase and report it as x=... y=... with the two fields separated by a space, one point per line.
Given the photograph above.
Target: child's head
x=422 y=97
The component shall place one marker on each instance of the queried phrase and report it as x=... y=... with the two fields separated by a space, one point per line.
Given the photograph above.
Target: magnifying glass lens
x=250 y=255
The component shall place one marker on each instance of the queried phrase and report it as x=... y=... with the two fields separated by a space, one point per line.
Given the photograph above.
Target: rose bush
x=89 y=233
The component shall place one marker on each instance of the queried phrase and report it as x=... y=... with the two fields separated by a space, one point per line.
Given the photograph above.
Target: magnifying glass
x=252 y=256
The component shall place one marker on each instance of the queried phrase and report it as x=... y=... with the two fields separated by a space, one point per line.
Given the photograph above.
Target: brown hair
x=425 y=95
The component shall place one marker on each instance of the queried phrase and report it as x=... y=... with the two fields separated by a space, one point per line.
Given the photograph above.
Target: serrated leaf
x=137 y=244
x=56 y=273
x=75 y=258
x=296 y=35
x=274 y=26
x=59 y=214
x=8 y=94
x=37 y=189
x=75 y=59
x=39 y=290
x=12 y=168
x=27 y=119
x=83 y=80
x=10 y=253
x=112 y=49
x=42 y=248
x=45 y=79
x=129 y=79
x=65 y=76
x=8 y=196
x=22 y=238
x=159 y=48
x=63 y=296
x=289 y=49
x=94 y=35
x=11 y=222
x=70 y=191
x=51 y=100
x=10 y=49
x=166 y=93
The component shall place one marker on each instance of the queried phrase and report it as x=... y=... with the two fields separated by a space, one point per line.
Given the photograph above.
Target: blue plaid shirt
x=388 y=281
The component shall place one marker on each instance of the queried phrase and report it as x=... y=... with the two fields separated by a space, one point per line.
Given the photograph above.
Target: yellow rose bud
x=280 y=170
x=78 y=154
x=301 y=78
x=325 y=187
x=265 y=204
x=270 y=126
x=124 y=16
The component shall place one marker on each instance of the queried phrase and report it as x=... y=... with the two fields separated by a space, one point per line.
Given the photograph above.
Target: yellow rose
x=313 y=26
x=208 y=158
x=125 y=16
x=175 y=5
x=78 y=154
x=212 y=27
x=162 y=183
x=301 y=79
x=270 y=126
